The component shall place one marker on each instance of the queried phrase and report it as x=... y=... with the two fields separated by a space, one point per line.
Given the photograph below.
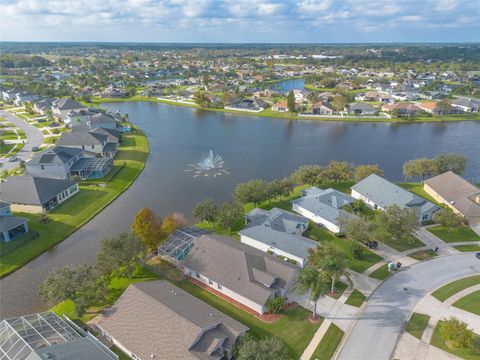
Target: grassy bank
x=291 y=116
x=454 y=287
x=72 y=214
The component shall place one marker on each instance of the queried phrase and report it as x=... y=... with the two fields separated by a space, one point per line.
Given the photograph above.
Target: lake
x=251 y=147
x=287 y=85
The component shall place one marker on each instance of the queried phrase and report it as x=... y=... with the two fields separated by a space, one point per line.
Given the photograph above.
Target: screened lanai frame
x=180 y=242
x=88 y=168
x=19 y=336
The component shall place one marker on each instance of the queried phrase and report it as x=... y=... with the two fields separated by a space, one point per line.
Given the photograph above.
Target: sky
x=241 y=21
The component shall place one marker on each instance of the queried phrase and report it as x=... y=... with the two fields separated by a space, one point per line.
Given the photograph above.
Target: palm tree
x=332 y=261
x=310 y=279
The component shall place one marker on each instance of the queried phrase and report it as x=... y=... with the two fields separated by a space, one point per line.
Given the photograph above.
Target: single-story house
x=91 y=141
x=458 y=194
x=466 y=105
x=323 y=207
x=32 y=194
x=62 y=107
x=157 y=320
x=322 y=108
x=362 y=109
x=11 y=226
x=379 y=193
x=408 y=109
x=278 y=232
x=238 y=271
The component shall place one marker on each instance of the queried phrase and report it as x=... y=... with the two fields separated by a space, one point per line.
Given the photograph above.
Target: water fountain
x=209 y=165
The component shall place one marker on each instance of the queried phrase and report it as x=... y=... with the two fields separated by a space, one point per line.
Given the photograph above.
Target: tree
x=201 y=98
x=339 y=171
x=253 y=191
x=207 y=211
x=400 y=223
x=356 y=249
x=448 y=219
x=270 y=348
x=119 y=252
x=450 y=162
x=456 y=333
x=279 y=188
x=363 y=171
x=418 y=168
x=171 y=223
x=229 y=214
x=309 y=174
x=339 y=102
x=331 y=261
x=314 y=281
x=444 y=107
x=356 y=228
x=275 y=304
x=291 y=101
x=147 y=226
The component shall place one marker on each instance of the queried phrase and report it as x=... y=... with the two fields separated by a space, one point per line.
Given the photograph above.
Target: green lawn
x=467 y=248
x=381 y=273
x=417 y=188
x=470 y=303
x=454 y=287
x=416 y=324
x=411 y=242
x=5 y=148
x=82 y=207
x=423 y=254
x=329 y=343
x=8 y=135
x=469 y=354
x=356 y=298
x=461 y=234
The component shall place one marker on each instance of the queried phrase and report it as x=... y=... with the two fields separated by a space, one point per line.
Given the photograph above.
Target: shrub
x=356 y=250
x=275 y=304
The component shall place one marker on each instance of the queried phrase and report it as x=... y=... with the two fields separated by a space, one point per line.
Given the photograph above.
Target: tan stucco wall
x=33 y=209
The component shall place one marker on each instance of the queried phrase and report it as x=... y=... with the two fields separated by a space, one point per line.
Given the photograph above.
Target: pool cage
x=180 y=242
x=91 y=168
x=22 y=335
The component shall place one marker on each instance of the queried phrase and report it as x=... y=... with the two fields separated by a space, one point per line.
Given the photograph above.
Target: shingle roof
x=157 y=318
x=457 y=191
x=32 y=190
x=231 y=263
x=8 y=223
x=55 y=155
x=277 y=219
x=79 y=137
x=100 y=118
x=68 y=104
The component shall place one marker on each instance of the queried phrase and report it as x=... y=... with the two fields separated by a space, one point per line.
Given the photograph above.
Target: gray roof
x=293 y=244
x=77 y=349
x=31 y=190
x=4 y=204
x=113 y=135
x=78 y=137
x=384 y=193
x=68 y=104
x=361 y=106
x=100 y=118
x=457 y=191
x=8 y=223
x=230 y=263
x=277 y=219
x=55 y=155
x=110 y=147
x=326 y=204
x=157 y=318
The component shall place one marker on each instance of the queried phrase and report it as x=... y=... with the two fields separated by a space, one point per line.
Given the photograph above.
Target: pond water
x=287 y=85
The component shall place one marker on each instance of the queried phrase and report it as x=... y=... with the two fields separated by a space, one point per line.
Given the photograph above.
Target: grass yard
x=329 y=343
x=467 y=248
x=423 y=254
x=411 y=242
x=416 y=324
x=82 y=207
x=381 y=273
x=8 y=135
x=470 y=303
x=417 y=188
x=461 y=234
x=5 y=148
x=356 y=298
x=454 y=287
x=469 y=354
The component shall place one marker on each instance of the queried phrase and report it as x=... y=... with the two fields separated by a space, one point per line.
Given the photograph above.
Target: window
x=219 y=287
x=197 y=275
x=210 y=282
x=425 y=217
x=83 y=147
x=42 y=167
x=93 y=146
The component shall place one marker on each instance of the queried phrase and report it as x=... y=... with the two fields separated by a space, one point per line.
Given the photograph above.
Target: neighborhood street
x=375 y=333
x=34 y=138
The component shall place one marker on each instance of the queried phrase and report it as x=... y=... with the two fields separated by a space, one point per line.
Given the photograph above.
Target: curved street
x=378 y=327
x=34 y=137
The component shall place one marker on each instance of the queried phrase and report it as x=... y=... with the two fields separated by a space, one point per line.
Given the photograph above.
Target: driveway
x=34 y=138
x=375 y=333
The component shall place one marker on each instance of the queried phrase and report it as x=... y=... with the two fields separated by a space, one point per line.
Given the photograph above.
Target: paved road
x=34 y=138
x=375 y=333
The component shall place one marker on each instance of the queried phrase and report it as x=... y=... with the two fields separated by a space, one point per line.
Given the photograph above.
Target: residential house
x=379 y=193
x=252 y=105
x=43 y=106
x=325 y=96
x=23 y=97
x=62 y=107
x=55 y=162
x=322 y=108
x=280 y=106
x=404 y=109
x=11 y=226
x=458 y=194
x=466 y=105
x=32 y=194
x=101 y=120
x=78 y=117
x=278 y=232
x=114 y=92
x=91 y=141
x=324 y=207
x=157 y=320
x=238 y=271
x=46 y=336
x=362 y=109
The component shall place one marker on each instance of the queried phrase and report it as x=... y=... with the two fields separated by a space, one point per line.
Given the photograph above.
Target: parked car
x=477 y=255
x=35 y=148
x=12 y=158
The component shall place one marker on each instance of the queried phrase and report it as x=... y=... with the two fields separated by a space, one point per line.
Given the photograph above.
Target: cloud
x=314 y=6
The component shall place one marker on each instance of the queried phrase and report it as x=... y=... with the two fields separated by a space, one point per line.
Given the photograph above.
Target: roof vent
x=211 y=315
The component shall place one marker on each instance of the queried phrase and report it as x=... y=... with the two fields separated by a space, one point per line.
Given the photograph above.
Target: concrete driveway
x=375 y=333
x=34 y=138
